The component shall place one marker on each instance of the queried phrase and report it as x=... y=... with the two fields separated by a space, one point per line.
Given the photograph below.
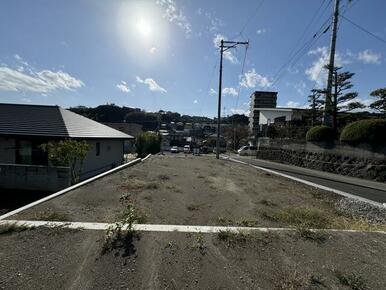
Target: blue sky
x=161 y=54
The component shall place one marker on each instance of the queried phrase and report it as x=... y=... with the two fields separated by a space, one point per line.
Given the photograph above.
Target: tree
x=236 y=135
x=148 y=143
x=343 y=101
x=69 y=153
x=379 y=105
x=316 y=103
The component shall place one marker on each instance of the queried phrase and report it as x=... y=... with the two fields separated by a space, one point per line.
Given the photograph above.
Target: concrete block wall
x=34 y=177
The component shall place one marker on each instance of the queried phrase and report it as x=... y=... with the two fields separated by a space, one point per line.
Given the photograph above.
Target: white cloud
x=175 y=15
x=369 y=57
x=261 y=30
x=195 y=102
x=123 y=87
x=212 y=92
x=300 y=87
x=251 y=80
x=292 y=104
x=240 y=111
x=152 y=84
x=39 y=82
x=26 y=100
x=152 y=50
x=229 y=91
x=227 y=54
x=316 y=72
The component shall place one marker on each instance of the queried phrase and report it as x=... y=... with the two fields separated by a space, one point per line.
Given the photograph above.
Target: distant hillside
x=149 y=121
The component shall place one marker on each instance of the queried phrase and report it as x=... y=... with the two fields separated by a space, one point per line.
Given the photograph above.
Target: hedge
x=320 y=133
x=371 y=131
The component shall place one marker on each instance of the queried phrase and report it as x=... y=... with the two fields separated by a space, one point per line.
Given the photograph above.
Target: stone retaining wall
x=362 y=167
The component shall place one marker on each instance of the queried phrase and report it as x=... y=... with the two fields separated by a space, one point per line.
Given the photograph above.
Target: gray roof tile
x=52 y=121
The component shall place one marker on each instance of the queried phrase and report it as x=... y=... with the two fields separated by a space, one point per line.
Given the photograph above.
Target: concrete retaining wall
x=34 y=177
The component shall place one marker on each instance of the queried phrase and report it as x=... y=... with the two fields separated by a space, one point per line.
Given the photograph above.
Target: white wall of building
x=268 y=117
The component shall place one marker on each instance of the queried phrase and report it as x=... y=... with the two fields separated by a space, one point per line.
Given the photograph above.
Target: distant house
x=23 y=128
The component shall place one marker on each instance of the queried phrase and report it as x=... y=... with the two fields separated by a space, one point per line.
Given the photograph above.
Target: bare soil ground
x=195 y=191
x=190 y=191
x=68 y=259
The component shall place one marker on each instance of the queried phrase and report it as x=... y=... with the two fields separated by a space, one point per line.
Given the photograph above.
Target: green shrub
x=371 y=131
x=148 y=143
x=320 y=133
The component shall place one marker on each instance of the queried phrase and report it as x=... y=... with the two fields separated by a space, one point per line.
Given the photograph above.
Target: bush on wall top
x=372 y=131
x=320 y=133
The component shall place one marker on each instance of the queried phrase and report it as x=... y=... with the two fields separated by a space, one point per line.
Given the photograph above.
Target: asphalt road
x=375 y=191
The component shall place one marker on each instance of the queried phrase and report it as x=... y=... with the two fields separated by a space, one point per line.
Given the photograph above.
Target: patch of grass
x=50 y=215
x=269 y=215
x=222 y=221
x=352 y=280
x=201 y=176
x=163 y=177
x=193 y=207
x=148 y=198
x=358 y=224
x=139 y=185
x=267 y=202
x=152 y=185
x=242 y=238
x=174 y=188
x=171 y=245
x=314 y=236
x=247 y=223
x=291 y=281
x=199 y=243
x=13 y=228
x=304 y=217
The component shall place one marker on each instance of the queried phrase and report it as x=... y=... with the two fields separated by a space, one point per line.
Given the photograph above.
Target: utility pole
x=335 y=102
x=224 y=46
x=328 y=107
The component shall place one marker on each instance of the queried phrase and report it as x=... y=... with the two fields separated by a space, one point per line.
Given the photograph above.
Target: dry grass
x=139 y=185
x=352 y=280
x=50 y=215
x=314 y=236
x=357 y=224
x=242 y=238
x=12 y=228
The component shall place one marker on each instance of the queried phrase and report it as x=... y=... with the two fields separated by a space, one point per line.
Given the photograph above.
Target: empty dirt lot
x=194 y=191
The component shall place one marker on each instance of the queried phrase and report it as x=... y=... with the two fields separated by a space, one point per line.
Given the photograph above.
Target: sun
x=144 y=27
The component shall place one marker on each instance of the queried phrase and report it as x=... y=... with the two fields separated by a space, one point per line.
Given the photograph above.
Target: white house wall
x=111 y=154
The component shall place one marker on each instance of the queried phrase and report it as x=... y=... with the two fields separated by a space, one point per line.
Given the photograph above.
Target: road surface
x=375 y=191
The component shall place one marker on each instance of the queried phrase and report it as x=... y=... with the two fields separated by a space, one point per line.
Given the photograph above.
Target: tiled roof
x=52 y=121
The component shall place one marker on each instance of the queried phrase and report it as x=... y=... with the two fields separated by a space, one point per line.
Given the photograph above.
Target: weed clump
x=243 y=238
x=50 y=215
x=122 y=234
x=301 y=217
x=352 y=280
x=12 y=228
x=314 y=236
x=199 y=243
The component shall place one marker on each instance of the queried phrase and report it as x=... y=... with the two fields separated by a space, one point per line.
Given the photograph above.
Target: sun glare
x=144 y=27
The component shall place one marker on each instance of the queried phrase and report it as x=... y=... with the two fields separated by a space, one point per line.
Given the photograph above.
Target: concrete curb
x=165 y=228
x=63 y=191
x=345 y=194
x=145 y=158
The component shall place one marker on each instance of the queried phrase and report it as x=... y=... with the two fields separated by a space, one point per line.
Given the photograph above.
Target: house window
x=24 y=152
x=98 y=149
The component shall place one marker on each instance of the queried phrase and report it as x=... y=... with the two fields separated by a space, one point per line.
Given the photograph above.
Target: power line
x=363 y=29
x=295 y=57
